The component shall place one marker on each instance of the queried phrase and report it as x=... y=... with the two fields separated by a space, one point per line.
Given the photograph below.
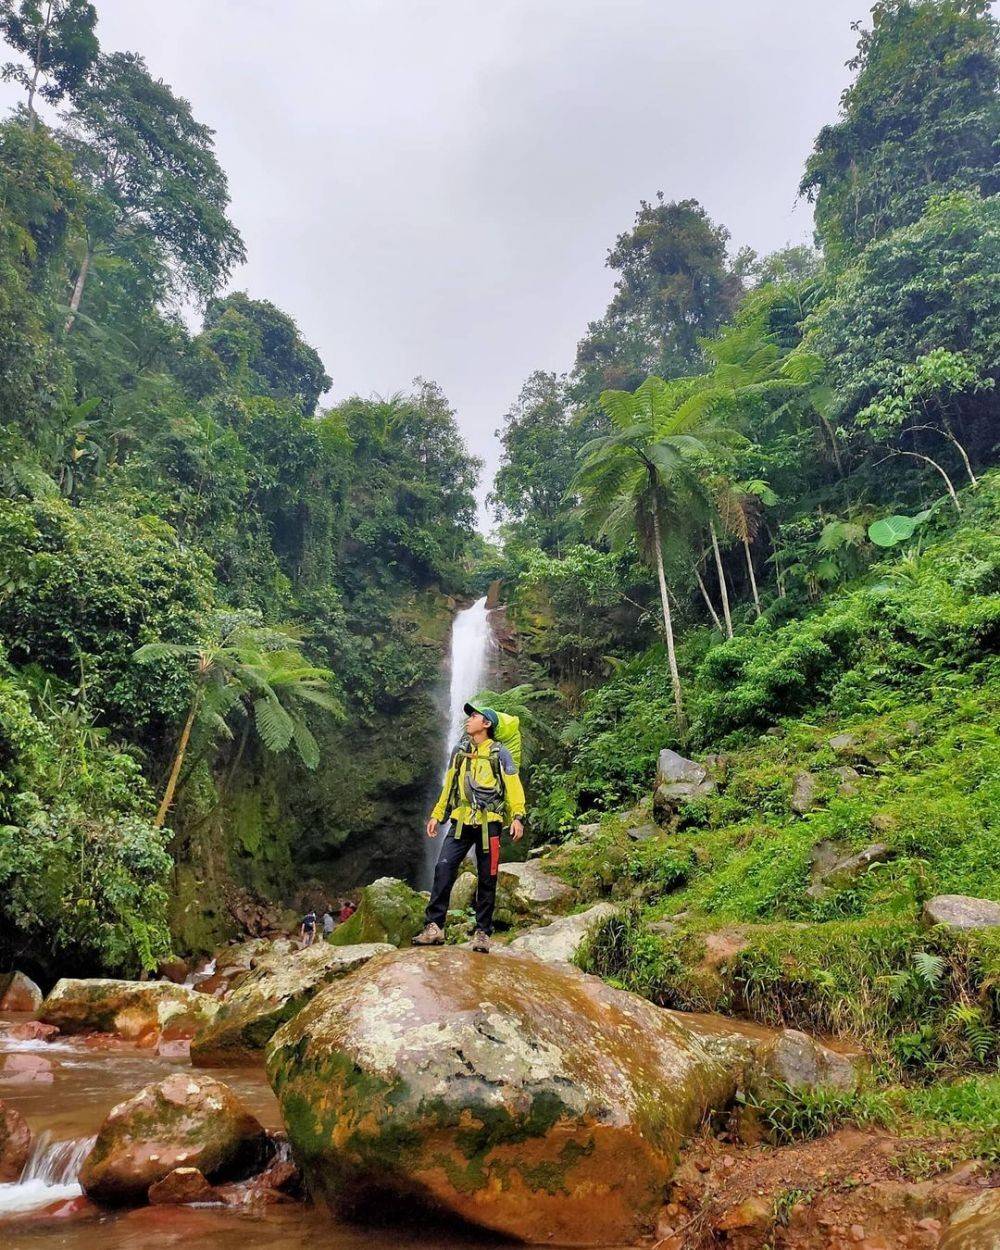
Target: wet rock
x=186 y=1120
x=25 y=1069
x=389 y=911
x=268 y=997
x=527 y=892
x=173 y=969
x=180 y=1187
x=15 y=1143
x=975 y=1225
x=28 y=1031
x=524 y=1097
x=960 y=911
x=803 y=793
x=19 y=993
x=128 y=1009
x=561 y=940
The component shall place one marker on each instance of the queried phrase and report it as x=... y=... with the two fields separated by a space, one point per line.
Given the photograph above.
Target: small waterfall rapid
x=472 y=647
x=50 y=1175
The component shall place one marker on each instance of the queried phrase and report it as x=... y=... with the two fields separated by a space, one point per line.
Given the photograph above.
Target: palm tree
x=641 y=479
x=253 y=667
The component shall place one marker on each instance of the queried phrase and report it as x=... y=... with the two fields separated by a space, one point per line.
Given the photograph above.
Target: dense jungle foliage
x=784 y=561
x=208 y=585
x=758 y=513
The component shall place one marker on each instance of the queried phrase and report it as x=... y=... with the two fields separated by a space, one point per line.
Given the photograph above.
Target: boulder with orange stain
x=524 y=1097
x=128 y=1009
x=15 y=1143
x=184 y=1121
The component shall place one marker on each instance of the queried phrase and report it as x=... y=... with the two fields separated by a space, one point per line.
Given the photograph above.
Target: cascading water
x=472 y=646
x=50 y=1175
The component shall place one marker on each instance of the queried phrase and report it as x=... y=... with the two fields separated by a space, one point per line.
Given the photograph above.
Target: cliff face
x=293 y=836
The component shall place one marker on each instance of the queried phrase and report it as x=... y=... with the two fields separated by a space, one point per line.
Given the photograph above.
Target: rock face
x=975 y=1225
x=131 y=1009
x=186 y=1120
x=678 y=781
x=524 y=1097
x=179 y=1187
x=268 y=997
x=389 y=911
x=559 y=941
x=15 y=1143
x=960 y=911
x=19 y=993
x=527 y=892
x=835 y=871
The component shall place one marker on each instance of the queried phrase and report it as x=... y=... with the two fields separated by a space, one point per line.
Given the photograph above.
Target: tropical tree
x=159 y=195
x=642 y=479
x=255 y=669
x=920 y=119
x=57 y=39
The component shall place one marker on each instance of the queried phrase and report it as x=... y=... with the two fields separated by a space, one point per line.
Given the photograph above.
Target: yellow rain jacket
x=478 y=760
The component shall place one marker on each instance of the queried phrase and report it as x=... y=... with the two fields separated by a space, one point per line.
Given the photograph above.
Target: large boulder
x=975 y=1225
x=185 y=1120
x=130 y=1009
x=19 y=993
x=523 y=1097
x=832 y=871
x=525 y=891
x=15 y=1143
x=960 y=911
x=268 y=997
x=560 y=941
x=679 y=781
x=389 y=911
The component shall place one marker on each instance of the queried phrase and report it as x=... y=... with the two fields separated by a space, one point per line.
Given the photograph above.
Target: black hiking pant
x=453 y=851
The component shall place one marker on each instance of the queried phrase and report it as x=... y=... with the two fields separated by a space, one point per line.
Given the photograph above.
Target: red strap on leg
x=494 y=856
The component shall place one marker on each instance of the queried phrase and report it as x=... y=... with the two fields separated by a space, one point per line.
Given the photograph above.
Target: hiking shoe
x=481 y=942
x=432 y=935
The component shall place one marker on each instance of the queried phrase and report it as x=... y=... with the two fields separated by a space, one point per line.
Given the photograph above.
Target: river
x=74 y=1084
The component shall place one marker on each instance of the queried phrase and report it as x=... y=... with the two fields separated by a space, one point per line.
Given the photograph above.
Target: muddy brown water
x=65 y=1088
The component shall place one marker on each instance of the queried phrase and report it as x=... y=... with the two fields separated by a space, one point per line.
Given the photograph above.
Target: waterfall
x=472 y=646
x=50 y=1175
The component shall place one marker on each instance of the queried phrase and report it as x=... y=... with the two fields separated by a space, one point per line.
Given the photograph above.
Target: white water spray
x=50 y=1175
x=472 y=646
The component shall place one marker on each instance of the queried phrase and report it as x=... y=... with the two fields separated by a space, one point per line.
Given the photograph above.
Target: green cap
x=487 y=713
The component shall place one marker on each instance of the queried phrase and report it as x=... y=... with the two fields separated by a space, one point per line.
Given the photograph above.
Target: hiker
x=481 y=782
x=347 y=910
x=307 y=930
x=328 y=921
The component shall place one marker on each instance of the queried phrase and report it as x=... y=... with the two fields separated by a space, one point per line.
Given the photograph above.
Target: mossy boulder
x=269 y=996
x=130 y=1009
x=185 y=1120
x=389 y=911
x=526 y=1098
x=526 y=892
x=560 y=941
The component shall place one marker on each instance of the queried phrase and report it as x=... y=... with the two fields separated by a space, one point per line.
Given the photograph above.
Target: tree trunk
x=722 y=581
x=668 y=628
x=81 y=279
x=43 y=31
x=947 y=480
x=753 y=576
x=708 y=602
x=175 y=771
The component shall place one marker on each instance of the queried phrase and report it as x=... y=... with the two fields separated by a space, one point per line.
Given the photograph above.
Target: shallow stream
x=65 y=1088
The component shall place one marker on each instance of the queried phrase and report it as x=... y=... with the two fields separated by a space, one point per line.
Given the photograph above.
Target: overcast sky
x=431 y=186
